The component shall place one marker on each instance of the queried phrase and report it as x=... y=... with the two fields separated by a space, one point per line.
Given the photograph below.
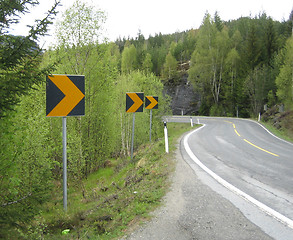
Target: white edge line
x=232 y=188
x=271 y=132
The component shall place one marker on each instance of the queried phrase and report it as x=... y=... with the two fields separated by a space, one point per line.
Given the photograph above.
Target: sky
x=126 y=17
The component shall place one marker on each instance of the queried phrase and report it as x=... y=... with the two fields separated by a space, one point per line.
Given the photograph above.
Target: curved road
x=233 y=180
x=248 y=160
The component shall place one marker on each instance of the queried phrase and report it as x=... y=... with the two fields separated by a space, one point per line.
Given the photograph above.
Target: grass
x=280 y=124
x=114 y=199
x=281 y=133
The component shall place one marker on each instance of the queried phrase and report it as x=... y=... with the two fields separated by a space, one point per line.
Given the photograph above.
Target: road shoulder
x=192 y=210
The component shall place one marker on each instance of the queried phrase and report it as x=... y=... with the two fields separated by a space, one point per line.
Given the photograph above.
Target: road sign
x=134 y=102
x=151 y=102
x=65 y=96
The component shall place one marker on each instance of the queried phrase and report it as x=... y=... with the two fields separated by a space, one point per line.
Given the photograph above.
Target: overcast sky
x=126 y=17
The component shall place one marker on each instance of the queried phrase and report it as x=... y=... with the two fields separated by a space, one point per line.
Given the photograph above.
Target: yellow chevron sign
x=151 y=102
x=65 y=96
x=134 y=102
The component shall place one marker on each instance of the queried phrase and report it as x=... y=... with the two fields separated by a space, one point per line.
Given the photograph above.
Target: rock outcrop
x=184 y=101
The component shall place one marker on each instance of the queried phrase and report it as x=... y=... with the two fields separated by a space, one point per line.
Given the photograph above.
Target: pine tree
x=20 y=56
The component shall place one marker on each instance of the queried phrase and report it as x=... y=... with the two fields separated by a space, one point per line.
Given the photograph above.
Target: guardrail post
x=166 y=137
x=191 y=122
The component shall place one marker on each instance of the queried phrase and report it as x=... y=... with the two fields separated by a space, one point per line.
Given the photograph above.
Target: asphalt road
x=252 y=163
x=233 y=180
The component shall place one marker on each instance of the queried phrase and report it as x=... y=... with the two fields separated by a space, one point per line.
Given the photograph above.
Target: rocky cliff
x=184 y=101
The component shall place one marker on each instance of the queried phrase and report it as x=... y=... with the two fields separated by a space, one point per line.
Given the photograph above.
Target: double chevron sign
x=134 y=102
x=151 y=102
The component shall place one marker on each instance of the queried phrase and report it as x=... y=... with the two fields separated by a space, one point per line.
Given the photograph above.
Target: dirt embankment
x=281 y=120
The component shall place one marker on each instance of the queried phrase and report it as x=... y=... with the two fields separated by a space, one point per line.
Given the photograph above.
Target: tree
x=24 y=169
x=20 y=56
x=270 y=41
x=82 y=54
x=255 y=86
x=232 y=64
x=218 y=60
x=284 y=80
x=208 y=60
x=25 y=163
x=218 y=22
x=138 y=81
x=80 y=28
x=129 y=59
x=200 y=72
x=10 y=10
x=170 y=67
x=252 y=48
x=147 y=64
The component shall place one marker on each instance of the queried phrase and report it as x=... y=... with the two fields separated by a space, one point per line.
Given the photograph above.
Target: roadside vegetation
x=279 y=123
x=111 y=201
x=237 y=65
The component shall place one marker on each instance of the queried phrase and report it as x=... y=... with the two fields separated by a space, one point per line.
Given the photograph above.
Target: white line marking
x=273 y=134
x=232 y=188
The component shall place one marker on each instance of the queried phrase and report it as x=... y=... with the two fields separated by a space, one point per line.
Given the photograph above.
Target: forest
x=241 y=64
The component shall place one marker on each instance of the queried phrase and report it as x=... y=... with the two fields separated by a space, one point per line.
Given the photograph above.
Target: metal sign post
x=64 y=142
x=132 y=138
x=134 y=103
x=151 y=103
x=151 y=113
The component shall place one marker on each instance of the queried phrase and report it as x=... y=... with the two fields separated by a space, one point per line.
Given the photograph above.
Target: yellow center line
x=237 y=133
x=235 y=130
x=261 y=148
x=227 y=121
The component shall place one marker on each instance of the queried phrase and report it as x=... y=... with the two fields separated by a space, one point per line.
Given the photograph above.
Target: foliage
x=25 y=172
x=10 y=10
x=170 y=67
x=208 y=60
x=112 y=199
x=255 y=85
x=222 y=56
x=234 y=62
x=25 y=165
x=80 y=28
x=20 y=56
x=31 y=144
x=129 y=59
x=284 y=80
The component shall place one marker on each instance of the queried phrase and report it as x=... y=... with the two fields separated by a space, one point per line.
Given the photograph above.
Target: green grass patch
x=281 y=133
x=112 y=200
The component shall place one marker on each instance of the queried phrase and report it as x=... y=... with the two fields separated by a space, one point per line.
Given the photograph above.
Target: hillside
x=235 y=67
x=283 y=121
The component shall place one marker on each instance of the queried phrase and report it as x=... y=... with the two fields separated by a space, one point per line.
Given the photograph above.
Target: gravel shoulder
x=192 y=210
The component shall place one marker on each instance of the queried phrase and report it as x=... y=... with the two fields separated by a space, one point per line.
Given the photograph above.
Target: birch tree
x=284 y=80
x=208 y=60
x=79 y=38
